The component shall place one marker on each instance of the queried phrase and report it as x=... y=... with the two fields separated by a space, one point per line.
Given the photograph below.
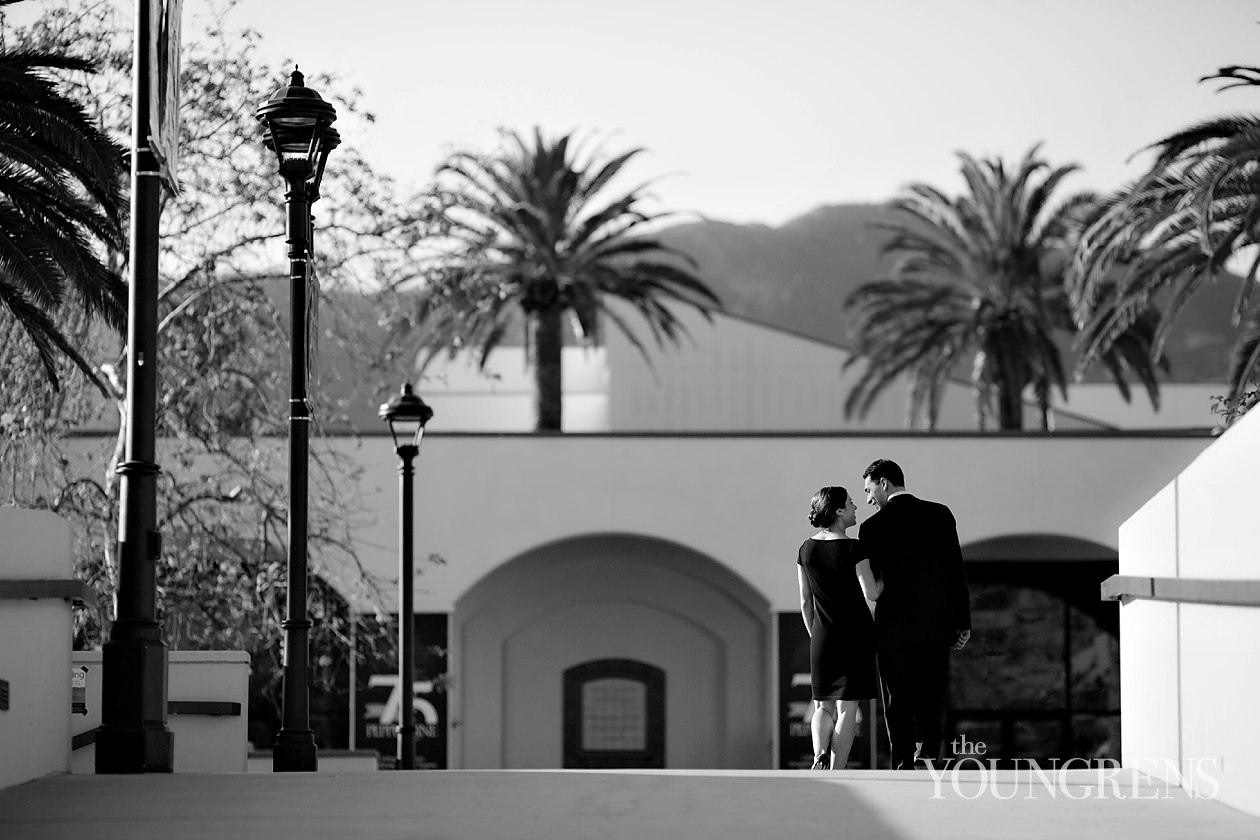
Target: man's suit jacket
x=913 y=546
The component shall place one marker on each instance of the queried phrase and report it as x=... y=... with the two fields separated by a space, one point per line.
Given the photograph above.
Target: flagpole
x=133 y=737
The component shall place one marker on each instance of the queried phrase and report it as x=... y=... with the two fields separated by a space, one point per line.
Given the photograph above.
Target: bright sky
x=761 y=111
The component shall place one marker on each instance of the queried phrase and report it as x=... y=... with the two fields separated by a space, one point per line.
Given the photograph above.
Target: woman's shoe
x=822 y=761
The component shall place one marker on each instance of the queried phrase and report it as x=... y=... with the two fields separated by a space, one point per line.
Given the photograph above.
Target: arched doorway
x=601 y=602
x=1040 y=679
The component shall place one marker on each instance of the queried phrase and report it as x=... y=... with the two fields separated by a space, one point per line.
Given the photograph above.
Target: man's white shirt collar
x=898 y=493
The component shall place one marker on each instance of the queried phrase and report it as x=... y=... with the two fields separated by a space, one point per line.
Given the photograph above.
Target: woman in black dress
x=837 y=586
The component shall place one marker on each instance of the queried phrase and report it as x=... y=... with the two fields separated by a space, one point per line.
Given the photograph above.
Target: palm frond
x=49 y=342
x=61 y=205
x=1174 y=229
x=984 y=275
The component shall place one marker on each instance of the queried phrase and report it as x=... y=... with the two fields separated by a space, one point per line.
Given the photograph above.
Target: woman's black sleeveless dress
x=842 y=641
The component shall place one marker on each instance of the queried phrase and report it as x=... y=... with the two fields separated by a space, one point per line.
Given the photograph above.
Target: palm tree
x=61 y=207
x=1162 y=237
x=528 y=234
x=979 y=279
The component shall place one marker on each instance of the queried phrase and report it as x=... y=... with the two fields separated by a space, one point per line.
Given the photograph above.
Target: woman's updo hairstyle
x=826 y=504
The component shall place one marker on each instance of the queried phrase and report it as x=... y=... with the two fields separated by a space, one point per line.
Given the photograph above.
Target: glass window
x=614 y=715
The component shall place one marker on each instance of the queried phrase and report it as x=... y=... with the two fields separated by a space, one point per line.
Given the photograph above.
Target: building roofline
x=953 y=380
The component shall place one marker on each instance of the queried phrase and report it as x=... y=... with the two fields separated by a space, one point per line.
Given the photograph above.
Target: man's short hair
x=883 y=468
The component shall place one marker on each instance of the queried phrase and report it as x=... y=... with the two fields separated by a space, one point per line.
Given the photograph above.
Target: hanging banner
x=796 y=705
x=382 y=703
x=164 y=43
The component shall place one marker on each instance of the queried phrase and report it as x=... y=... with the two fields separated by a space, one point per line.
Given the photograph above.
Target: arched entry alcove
x=606 y=598
x=1069 y=567
x=1041 y=677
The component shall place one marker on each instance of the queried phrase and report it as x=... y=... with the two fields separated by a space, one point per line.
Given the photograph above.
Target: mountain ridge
x=796 y=276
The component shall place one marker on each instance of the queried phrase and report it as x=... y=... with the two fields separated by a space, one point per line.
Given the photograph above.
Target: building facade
x=636 y=564
x=624 y=594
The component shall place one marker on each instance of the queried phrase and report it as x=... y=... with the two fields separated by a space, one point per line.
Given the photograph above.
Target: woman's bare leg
x=821 y=726
x=842 y=737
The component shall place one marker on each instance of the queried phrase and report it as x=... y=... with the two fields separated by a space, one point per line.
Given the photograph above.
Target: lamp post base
x=295 y=752
x=406 y=746
x=133 y=737
x=148 y=749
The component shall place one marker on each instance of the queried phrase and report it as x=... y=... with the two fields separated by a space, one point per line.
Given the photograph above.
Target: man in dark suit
x=923 y=612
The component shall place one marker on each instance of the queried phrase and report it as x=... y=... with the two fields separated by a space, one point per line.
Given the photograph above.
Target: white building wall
x=736 y=375
x=1149 y=638
x=1189 y=671
x=483 y=499
x=732 y=374
x=742 y=500
x=35 y=638
x=1183 y=405
x=500 y=398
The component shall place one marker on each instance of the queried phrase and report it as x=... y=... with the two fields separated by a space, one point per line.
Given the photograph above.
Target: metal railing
x=1230 y=593
x=76 y=592
x=210 y=708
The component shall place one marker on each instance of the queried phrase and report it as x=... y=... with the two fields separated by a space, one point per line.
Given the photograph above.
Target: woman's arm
x=871 y=587
x=807 y=600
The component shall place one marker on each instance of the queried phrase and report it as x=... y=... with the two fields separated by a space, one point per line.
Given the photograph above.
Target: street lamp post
x=133 y=736
x=298 y=129
x=406 y=415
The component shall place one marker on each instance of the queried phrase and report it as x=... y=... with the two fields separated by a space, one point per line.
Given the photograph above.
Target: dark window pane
x=1015 y=658
x=1095 y=665
x=1039 y=740
x=1096 y=736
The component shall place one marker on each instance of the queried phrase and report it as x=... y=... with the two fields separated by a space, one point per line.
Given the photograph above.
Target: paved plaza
x=557 y=805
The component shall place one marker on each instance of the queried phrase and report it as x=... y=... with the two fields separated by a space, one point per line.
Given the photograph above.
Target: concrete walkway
x=558 y=805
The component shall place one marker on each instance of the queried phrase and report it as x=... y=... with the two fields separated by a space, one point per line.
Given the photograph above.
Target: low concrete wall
x=203 y=742
x=35 y=641
x=1190 y=672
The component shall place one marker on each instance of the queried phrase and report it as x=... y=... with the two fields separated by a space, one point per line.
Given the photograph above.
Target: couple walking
x=906 y=566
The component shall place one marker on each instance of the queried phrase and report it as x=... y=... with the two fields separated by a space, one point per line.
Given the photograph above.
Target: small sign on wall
x=78 y=690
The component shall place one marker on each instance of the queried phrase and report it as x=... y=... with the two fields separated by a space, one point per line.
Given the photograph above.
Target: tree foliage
x=223 y=347
x=1230 y=408
x=1193 y=214
x=978 y=282
x=61 y=206
x=529 y=232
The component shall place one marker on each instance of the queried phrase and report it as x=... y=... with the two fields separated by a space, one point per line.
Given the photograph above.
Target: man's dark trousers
x=914 y=678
